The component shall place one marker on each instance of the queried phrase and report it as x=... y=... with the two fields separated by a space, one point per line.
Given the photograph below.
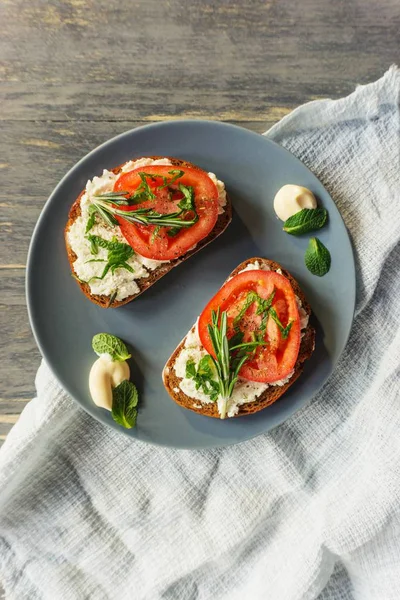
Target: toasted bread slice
x=145 y=282
x=272 y=393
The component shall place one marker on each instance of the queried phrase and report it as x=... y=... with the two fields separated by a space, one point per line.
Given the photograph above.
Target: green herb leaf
x=187 y=202
x=107 y=205
x=124 y=403
x=250 y=298
x=104 y=214
x=306 y=220
x=284 y=330
x=92 y=218
x=155 y=234
x=118 y=254
x=190 y=369
x=176 y=174
x=236 y=339
x=263 y=306
x=105 y=343
x=75 y=276
x=144 y=187
x=203 y=376
x=317 y=258
x=173 y=231
x=112 y=297
x=144 y=216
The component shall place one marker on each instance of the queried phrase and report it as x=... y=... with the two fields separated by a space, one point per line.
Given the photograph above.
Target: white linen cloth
x=310 y=510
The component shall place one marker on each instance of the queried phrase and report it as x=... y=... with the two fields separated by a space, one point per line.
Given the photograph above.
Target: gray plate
x=253 y=168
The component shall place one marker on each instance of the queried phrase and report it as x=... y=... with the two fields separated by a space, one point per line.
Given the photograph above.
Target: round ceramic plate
x=253 y=169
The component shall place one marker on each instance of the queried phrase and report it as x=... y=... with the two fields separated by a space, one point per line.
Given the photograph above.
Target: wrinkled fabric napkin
x=310 y=510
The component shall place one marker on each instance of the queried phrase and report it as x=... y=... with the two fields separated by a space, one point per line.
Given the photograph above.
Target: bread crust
x=272 y=393
x=145 y=282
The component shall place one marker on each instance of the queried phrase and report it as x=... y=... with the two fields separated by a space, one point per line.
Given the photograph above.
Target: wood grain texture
x=74 y=73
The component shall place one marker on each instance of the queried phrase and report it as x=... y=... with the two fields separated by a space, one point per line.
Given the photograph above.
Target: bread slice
x=272 y=393
x=145 y=282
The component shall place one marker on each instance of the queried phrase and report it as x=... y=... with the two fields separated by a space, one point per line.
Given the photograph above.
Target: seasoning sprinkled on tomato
x=182 y=203
x=261 y=307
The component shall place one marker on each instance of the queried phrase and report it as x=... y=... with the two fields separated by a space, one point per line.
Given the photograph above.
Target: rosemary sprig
x=229 y=359
x=142 y=216
x=108 y=205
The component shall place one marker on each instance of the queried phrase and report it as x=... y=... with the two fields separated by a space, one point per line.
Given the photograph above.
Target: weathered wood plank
x=13 y=406
x=38 y=154
x=225 y=60
x=20 y=356
x=115 y=102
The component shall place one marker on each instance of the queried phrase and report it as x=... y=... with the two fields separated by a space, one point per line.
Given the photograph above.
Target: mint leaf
x=317 y=258
x=306 y=220
x=124 y=403
x=105 y=343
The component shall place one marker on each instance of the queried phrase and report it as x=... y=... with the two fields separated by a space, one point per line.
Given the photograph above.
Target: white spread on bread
x=105 y=375
x=122 y=280
x=221 y=192
x=244 y=391
x=291 y=199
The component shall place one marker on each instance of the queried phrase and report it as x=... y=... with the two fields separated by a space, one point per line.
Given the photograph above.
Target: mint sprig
x=106 y=343
x=306 y=220
x=317 y=258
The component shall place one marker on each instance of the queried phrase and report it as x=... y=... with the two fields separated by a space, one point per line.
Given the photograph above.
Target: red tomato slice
x=277 y=359
x=158 y=245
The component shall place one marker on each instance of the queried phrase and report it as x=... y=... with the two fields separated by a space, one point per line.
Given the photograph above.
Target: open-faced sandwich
x=133 y=224
x=248 y=346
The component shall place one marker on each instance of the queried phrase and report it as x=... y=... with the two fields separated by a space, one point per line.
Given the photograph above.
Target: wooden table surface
x=77 y=72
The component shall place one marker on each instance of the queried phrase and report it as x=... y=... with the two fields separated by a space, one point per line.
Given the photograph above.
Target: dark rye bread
x=272 y=393
x=145 y=282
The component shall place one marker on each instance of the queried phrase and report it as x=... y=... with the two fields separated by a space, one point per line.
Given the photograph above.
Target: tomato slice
x=277 y=358
x=157 y=242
